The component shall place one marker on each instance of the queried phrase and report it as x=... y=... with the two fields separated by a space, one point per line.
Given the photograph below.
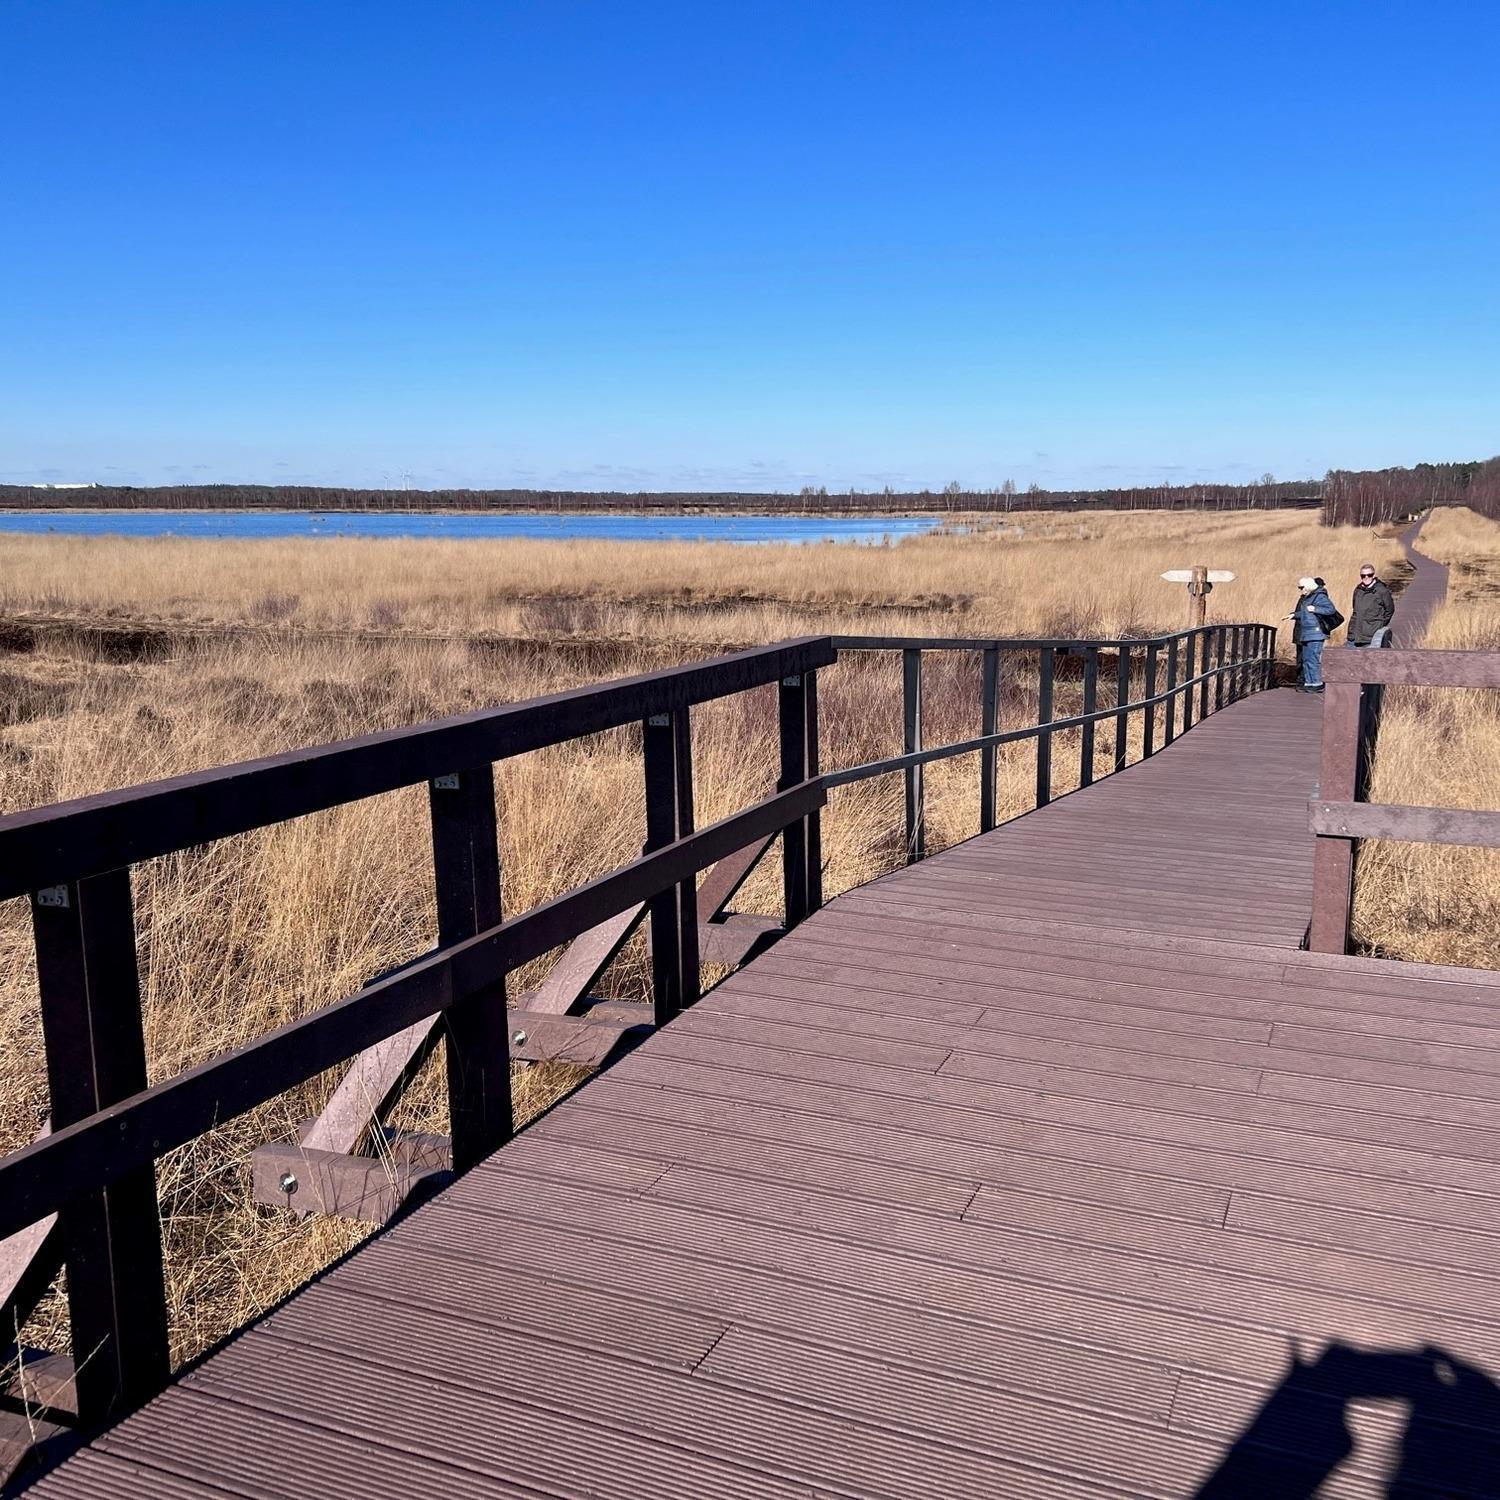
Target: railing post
x=1333 y=858
x=989 y=724
x=1045 y=668
x=916 y=781
x=466 y=870
x=1237 y=655
x=814 y=820
x=1205 y=664
x=1221 y=641
x=1090 y=705
x=96 y=1056
x=1122 y=697
x=673 y=913
x=801 y=841
x=1189 y=671
x=1268 y=648
x=1169 y=729
x=1371 y=700
x=1148 y=738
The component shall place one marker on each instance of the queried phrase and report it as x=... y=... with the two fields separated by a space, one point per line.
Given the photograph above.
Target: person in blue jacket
x=1314 y=619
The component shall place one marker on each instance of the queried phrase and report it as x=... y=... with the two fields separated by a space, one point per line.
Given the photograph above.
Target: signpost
x=1200 y=582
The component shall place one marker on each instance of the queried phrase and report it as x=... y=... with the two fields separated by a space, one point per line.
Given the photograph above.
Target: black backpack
x=1331 y=619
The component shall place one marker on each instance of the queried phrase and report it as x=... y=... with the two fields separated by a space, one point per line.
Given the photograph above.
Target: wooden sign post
x=1200 y=581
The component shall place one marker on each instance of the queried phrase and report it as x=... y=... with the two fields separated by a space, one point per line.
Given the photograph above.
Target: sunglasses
x=1366 y=575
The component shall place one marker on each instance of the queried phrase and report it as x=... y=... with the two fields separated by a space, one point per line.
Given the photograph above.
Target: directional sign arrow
x=1185 y=575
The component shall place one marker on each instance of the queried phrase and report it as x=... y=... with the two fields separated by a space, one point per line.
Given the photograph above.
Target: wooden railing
x=1187 y=675
x=95 y=1169
x=1340 y=814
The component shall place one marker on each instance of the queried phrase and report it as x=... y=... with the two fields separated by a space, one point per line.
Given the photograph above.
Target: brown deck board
x=1023 y=1171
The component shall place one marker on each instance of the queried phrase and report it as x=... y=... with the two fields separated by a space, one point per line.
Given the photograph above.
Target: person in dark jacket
x=1310 y=617
x=1373 y=607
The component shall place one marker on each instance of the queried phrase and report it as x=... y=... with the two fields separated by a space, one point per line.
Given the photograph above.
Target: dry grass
x=239 y=937
x=1440 y=747
x=1095 y=573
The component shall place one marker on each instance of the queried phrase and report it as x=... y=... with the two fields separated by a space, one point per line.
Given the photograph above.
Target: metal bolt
x=519 y=1038
x=287 y=1182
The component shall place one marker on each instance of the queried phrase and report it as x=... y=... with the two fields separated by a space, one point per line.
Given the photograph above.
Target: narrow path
x=1424 y=592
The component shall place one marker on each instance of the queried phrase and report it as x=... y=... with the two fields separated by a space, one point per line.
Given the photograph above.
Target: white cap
x=1307 y=583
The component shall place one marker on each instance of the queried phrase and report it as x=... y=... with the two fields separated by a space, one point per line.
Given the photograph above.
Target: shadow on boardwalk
x=1301 y=1435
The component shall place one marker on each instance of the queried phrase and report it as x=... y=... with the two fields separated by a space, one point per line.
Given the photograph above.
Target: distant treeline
x=1364 y=497
x=1368 y=497
x=1268 y=493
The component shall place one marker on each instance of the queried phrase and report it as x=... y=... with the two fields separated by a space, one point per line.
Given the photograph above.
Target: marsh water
x=865 y=530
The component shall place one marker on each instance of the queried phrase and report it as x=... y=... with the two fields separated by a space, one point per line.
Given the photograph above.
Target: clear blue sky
x=679 y=245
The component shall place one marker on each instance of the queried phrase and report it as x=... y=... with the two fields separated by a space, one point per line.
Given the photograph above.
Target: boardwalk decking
x=1036 y=1169
x=1025 y=1171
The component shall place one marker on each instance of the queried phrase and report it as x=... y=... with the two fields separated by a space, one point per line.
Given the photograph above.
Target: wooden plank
x=1045 y=672
x=1090 y=705
x=1427 y=668
x=1169 y=729
x=738 y=938
x=305 y=1180
x=367 y=1090
x=466 y=867
x=721 y=884
x=672 y=912
x=1412 y=825
x=29 y=1262
x=1333 y=859
x=792 y=725
x=96 y=1058
x=911 y=742
x=585 y=959
x=1122 y=698
x=588 y=1041
x=989 y=724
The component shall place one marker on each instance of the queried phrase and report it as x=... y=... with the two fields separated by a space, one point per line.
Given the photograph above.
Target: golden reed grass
x=1440 y=747
x=341 y=637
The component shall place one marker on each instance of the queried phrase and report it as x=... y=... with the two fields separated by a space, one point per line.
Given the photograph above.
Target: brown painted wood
x=305 y=1180
x=29 y=1262
x=1472 y=669
x=1412 y=825
x=1333 y=862
x=466 y=866
x=96 y=1058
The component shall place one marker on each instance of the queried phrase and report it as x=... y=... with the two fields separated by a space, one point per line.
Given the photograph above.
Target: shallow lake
x=869 y=530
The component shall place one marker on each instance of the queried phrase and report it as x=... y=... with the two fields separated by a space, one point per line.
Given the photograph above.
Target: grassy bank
x=340 y=637
x=1440 y=747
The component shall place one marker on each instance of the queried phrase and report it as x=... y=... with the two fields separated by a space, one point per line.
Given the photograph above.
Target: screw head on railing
x=287 y=1182
x=519 y=1038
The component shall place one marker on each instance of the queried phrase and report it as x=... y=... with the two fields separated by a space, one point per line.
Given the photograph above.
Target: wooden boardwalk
x=1047 y=1167
x=1029 y=1170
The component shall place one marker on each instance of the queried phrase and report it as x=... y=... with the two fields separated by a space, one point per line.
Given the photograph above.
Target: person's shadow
x=1450 y=1447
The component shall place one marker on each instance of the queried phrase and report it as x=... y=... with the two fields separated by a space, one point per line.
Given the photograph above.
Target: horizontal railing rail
x=89 y=835
x=1243 y=660
x=95 y=1170
x=1340 y=814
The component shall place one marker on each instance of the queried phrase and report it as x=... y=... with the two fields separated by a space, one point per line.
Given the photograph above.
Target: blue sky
x=692 y=245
